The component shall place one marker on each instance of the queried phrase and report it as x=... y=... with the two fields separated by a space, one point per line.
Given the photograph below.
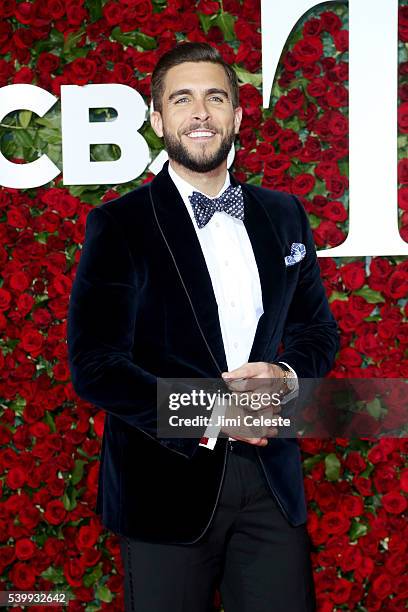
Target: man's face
x=198 y=123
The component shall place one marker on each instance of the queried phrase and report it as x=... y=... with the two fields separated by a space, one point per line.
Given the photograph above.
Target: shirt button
x=235 y=344
x=232 y=303
x=226 y=262
x=217 y=224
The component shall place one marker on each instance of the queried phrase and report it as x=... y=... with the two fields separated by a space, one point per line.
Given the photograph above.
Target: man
x=173 y=283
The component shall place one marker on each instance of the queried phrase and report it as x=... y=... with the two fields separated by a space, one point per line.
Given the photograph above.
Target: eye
x=181 y=100
x=217 y=98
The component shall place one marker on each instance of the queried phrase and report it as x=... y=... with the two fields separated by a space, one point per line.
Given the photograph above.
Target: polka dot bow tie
x=231 y=202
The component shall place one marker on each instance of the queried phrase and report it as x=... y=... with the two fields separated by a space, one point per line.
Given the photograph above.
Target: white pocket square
x=297 y=253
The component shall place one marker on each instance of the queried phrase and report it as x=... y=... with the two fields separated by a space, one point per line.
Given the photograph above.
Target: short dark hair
x=189 y=52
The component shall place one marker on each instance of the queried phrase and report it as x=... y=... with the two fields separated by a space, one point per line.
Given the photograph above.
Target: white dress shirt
x=234 y=275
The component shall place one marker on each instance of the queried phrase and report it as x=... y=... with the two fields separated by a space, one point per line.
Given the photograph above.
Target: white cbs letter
x=373 y=220
x=78 y=133
x=36 y=173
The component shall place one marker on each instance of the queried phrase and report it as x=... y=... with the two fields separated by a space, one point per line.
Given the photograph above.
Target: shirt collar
x=186 y=189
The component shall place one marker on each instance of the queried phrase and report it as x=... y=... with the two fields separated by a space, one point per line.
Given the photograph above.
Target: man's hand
x=256 y=377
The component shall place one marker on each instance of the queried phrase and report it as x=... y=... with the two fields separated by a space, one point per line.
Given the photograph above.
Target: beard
x=200 y=161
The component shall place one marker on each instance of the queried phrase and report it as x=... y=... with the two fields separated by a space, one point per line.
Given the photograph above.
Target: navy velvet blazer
x=142 y=306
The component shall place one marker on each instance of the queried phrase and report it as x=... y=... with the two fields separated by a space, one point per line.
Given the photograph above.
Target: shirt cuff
x=211 y=433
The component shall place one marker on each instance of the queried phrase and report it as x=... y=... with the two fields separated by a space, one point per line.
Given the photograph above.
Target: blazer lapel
x=182 y=240
x=181 y=237
x=269 y=258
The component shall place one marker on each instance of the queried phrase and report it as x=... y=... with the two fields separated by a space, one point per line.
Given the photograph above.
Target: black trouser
x=259 y=562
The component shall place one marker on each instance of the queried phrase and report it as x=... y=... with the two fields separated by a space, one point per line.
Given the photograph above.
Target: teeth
x=200 y=134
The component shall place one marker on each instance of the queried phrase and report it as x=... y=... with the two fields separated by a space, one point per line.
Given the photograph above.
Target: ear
x=237 y=118
x=157 y=123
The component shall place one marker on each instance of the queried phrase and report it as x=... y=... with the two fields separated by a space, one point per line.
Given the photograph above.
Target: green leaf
x=151 y=138
x=133 y=39
x=357 y=530
x=338 y=295
x=23 y=139
x=95 y=9
x=247 y=77
x=72 y=40
x=93 y=576
x=207 y=21
x=255 y=179
x=54 y=123
x=332 y=464
x=24 y=118
x=367 y=472
x=310 y=462
x=50 y=136
x=78 y=471
x=370 y=295
x=104 y=594
x=53 y=574
x=102 y=152
x=374 y=408
x=48 y=418
x=314 y=221
x=225 y=22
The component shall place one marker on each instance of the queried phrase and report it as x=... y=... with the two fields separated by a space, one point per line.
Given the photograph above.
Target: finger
x=247 y=370
x=255 y=441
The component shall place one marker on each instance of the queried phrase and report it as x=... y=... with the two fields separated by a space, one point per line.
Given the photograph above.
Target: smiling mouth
x=200 y=134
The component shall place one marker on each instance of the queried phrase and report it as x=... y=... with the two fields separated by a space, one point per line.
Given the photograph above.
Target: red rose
x=330 y=22
x=113 y=12
x=16 y=477
x=341 y=591
x=308 y=50
x=136 y=13
x=382 y=586
x=317 y=87
x=25 y=549
x=336 y=185
x=5 y=299
x=22 y=576
x=403 y=23
x=82 y=70
x=350 y=357
x=311 y=150
x=337 y=96
x=353 y=275
x=328 y=234
x=284 y=108
x=31 y=341
x=55 y=512
x=341 y=40
x=403 y=171
x=276 y=165
x=303 y=184
x=403 y=118
x=335 y=523
x=335 y=211
x=397 y=285
x=394 y=502
x=87 y=537
x=207 y=7
x=47 y=62
x=312 y=27
x=56 y=8
x=291 y=64
x=352 y=505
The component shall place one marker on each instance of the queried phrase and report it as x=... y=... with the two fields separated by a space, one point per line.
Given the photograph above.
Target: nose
x=200 y=110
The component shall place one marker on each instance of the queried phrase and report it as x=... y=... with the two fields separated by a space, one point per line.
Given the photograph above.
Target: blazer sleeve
x=101 y=328
x=310 y=336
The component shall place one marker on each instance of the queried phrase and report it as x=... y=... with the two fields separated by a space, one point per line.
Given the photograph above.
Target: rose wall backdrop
x=50 y=439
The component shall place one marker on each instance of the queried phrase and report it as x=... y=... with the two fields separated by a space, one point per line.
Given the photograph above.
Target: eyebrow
x=212 y=90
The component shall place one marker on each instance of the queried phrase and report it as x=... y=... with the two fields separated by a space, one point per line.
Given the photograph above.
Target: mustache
x=200 y=126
